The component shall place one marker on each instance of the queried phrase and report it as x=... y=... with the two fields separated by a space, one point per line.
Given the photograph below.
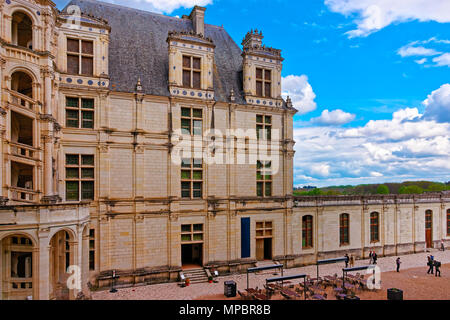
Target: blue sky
x=371 y=79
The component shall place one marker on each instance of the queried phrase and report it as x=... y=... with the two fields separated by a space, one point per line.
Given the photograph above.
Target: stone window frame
x=80 y=55
x=374 y=227
x=308 y=232
x=193 y=70
x=192 y=233
x=344 y=229
x=194 y=118
x=263 y=179
x=264 y=126
x=80 y=179
x=92 y=246
x=264 y=82
x=191 y=168
x=81 y=110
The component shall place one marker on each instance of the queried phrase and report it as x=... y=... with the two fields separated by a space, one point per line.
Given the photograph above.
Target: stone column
x=48 y=139
x=44 y=266
x=3 y=119
x=8 y=30
x=85 y=259
x=172 y=67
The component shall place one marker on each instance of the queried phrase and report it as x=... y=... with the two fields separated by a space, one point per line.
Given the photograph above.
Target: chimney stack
x=198 y=19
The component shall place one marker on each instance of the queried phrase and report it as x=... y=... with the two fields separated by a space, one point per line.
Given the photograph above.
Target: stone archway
x=62 y=255
x=17 y=267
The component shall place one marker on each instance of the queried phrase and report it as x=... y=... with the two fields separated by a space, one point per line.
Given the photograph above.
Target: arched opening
x=22 y=83
x=61 y=257
x=429 y=228
x=22 y=30
x=16 y=268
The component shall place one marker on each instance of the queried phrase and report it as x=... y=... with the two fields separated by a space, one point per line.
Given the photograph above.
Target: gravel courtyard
x=413 y=279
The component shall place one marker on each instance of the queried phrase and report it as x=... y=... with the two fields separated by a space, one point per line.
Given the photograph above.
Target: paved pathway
x=172 y=291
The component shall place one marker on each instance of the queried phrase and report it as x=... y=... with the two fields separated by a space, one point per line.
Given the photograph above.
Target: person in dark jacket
x=374 y=258
x=430 y=265
x=437 y=266
x=398 y=264
x=347 y=259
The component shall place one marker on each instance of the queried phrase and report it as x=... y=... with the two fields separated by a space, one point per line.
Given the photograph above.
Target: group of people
x=373 y=257
x=349 y=261
x=434 y=267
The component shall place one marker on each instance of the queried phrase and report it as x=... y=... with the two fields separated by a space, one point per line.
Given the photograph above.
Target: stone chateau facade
x=96 y=101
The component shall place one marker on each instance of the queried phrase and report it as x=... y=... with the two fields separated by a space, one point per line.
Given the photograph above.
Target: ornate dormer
x=261 y=71
x=191 y=60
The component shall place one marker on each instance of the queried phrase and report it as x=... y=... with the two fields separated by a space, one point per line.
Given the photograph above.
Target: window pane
x=259 y=176
x=198 y=227
x=268 y=119
x=72 y=191
x=197 y=113
x=185 y=112
x=185 y=189
x=73 y=45
x=197 y=63
x=259 y=73
x=197 y=80
x=186 y=163
x=73 y=66
x=198 y=163
x=186 y=78
x=268 y=133
x=72 y=102
x=87 y=190
x=198 y=127
x=197 y=190
x=268 y=75
x=87 y=47
x=186 y=237
x=87 y=103
x=87 y=160
x=88 y=119
x=87 y=173
x=72 y=159
x=186 y=228
x=185 y=175
x=198 y=237
x=186 y=62
x=72 y=119
x=268 y=189
x=259 y=189
x=259 y=91
x=185 y=126
x=259 y=119
x=267 y=90
x=198 y=175
x=87 y=66
x=72 y=173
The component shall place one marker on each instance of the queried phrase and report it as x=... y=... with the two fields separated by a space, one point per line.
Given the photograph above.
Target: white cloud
x=442 y=60
x=408 y=51
x=335 y=117
x=438 y=104
x=300 y=91
x=160 y=6
x=409 y=146
x=374 y=15
x=421 y=61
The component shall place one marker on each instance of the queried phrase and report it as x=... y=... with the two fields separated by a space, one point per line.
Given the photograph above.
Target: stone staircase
x=196 y=275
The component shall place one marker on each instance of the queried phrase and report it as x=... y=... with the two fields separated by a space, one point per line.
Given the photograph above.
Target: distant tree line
x=408 y=187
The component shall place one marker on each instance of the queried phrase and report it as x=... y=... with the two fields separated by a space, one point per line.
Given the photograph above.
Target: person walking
x=430 y=265
x=442 y=245
x=352 y=261
x=374 y=258
x=370 y=257
x=437 y=267
x=398 y=264
x=347 y=259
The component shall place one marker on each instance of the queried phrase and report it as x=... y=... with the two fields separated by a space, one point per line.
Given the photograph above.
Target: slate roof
x=138 y=48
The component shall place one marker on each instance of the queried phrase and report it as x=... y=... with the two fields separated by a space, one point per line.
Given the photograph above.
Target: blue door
x=245 y=237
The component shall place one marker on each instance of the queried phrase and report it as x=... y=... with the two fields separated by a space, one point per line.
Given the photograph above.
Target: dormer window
x=80 y=57
x=192 y=72
x=263 y=83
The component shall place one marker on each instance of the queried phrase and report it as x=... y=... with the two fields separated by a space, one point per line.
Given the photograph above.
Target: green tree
x=383 y=189
x=436 y=187
x=411 y=190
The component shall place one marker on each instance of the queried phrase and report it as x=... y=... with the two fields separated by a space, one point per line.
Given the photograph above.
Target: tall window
x=192 y=178
x=79 y=113
x=448 y=222
x=263 y=127
x=92 y=249
x=192 y=121
x=263 y=83
x=79 y=177
x=191 y=233
x=374 y=227
x=264 y=178
x=192 y=72
x=344 y=229
x=80 y=57
x=307 y=235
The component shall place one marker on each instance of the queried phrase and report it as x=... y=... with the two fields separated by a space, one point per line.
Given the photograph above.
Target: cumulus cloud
x=374 y=15
x=443 y=60
x=417 y=49
x=335 y=117
x=409 y=146
x=408 y=51
x=438 y=104
x=300 y=91
x=166 y=6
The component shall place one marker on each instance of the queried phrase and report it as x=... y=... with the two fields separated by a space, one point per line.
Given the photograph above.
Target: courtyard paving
x=416 y=283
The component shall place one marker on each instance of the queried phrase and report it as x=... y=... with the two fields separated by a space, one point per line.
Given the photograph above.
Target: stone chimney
x=253 y=39
x=198 y=19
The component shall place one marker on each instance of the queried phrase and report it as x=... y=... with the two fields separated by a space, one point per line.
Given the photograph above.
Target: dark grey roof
x=138 y=48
